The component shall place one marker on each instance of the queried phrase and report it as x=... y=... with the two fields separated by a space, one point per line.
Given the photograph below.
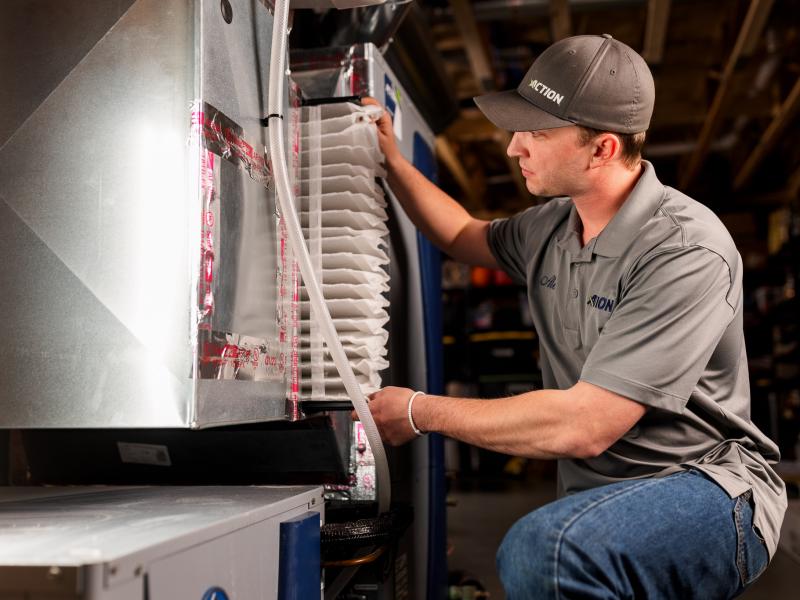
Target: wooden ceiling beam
x=481 y=66
x=467 y=129
x=655 y=33
x=476 y=51
x=753 y=18
x=560 y=20
x=756 y=33
x=794 y=184
x=480 y=129
x=770 y=137
x=450 y=43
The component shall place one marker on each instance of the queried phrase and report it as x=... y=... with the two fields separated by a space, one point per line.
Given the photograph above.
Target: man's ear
x=607 y=147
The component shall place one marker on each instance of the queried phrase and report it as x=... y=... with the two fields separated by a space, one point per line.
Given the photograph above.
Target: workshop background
x=724 y=131
x=727 y=75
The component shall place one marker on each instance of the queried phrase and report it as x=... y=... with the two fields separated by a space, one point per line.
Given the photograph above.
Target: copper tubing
x=357 y=562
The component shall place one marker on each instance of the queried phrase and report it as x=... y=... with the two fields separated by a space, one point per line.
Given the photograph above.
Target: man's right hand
x=443 y=220
x=386 y=138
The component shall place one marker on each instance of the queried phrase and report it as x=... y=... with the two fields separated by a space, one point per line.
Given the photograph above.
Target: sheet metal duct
x=146 y=282
x=403 y=37
x=371 y=24
x=493 y=10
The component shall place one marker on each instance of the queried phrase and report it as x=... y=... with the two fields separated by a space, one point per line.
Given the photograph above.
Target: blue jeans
x=679 y=536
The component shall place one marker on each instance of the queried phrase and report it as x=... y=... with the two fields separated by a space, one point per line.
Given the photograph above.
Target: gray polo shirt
x=650 y=309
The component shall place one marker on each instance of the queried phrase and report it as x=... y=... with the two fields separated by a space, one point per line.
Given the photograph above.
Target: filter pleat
x=348 y=184
x=357 y=202
x=344 y=219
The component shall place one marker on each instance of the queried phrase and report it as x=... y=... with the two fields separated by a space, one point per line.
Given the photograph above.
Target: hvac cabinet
x=149 y=293
x=163 y=542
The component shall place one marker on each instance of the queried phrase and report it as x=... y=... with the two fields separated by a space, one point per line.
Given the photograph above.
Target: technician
x=666 y=488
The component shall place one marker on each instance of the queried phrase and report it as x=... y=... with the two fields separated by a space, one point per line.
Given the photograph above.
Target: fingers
x=385 y=120
x=370 y=101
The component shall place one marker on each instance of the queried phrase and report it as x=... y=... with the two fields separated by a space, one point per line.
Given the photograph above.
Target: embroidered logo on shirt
x=601 y=303
x=548 y=281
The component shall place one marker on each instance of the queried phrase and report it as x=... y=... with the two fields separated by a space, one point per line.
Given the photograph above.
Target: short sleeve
x=509 y=242
x=671 y=316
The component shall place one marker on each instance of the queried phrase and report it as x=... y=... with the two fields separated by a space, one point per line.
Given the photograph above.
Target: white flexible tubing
x=287 y=206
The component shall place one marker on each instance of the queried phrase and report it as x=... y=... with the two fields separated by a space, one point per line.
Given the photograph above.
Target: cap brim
x=510 y=111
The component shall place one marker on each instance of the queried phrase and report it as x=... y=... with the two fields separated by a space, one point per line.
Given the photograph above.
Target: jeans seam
x=737 y=519
x=741 y=558
x=594 y=504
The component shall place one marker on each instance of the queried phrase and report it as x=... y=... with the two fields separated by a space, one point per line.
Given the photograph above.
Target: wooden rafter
x=751 y=43
x=655 y=33
x=471 y=126
x=481 y=67
x=476 y=51
x=560 y=20
x=754 y=18
x=767 y=141
x=794 y=184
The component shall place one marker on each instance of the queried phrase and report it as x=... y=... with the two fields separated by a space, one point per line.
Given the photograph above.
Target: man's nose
x=515 y=147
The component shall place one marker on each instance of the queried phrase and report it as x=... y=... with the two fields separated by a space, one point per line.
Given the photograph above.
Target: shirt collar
x=641 y=204
x=570 y=239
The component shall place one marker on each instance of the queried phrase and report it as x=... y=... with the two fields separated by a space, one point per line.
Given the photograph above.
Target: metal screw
x=227 y=10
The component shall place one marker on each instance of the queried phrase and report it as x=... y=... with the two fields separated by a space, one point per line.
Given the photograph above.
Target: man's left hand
x=389 y=408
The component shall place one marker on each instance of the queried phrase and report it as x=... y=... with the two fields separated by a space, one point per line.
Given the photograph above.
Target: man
x=636 y=294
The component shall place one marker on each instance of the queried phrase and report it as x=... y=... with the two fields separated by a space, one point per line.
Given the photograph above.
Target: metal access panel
x=145 y=282
x=158 y=542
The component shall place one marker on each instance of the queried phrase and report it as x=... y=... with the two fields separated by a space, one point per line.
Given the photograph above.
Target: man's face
x=551 y=160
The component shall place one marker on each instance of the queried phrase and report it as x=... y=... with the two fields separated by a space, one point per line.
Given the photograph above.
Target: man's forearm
x=580 y=422
x=543 y=424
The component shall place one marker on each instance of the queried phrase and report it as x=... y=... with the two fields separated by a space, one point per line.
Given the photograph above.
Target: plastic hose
x=277 y=73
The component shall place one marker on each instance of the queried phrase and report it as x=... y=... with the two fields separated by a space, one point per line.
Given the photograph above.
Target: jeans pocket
x=752 y=557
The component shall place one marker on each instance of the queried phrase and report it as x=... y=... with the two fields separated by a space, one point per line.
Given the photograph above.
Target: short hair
x=632 y=143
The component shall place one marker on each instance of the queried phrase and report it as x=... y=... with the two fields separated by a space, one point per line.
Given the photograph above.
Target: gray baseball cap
x=591 y=80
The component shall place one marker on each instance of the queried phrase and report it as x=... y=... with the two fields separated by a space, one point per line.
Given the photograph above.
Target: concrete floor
x=476 y=525
x=478 y=519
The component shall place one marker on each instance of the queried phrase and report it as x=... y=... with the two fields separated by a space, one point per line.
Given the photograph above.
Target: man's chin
x=536 y=190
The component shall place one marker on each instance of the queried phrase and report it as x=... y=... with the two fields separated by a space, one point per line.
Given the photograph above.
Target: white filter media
x=343 y=214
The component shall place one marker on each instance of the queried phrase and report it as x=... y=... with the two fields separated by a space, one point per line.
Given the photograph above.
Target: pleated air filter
x=343 y=213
